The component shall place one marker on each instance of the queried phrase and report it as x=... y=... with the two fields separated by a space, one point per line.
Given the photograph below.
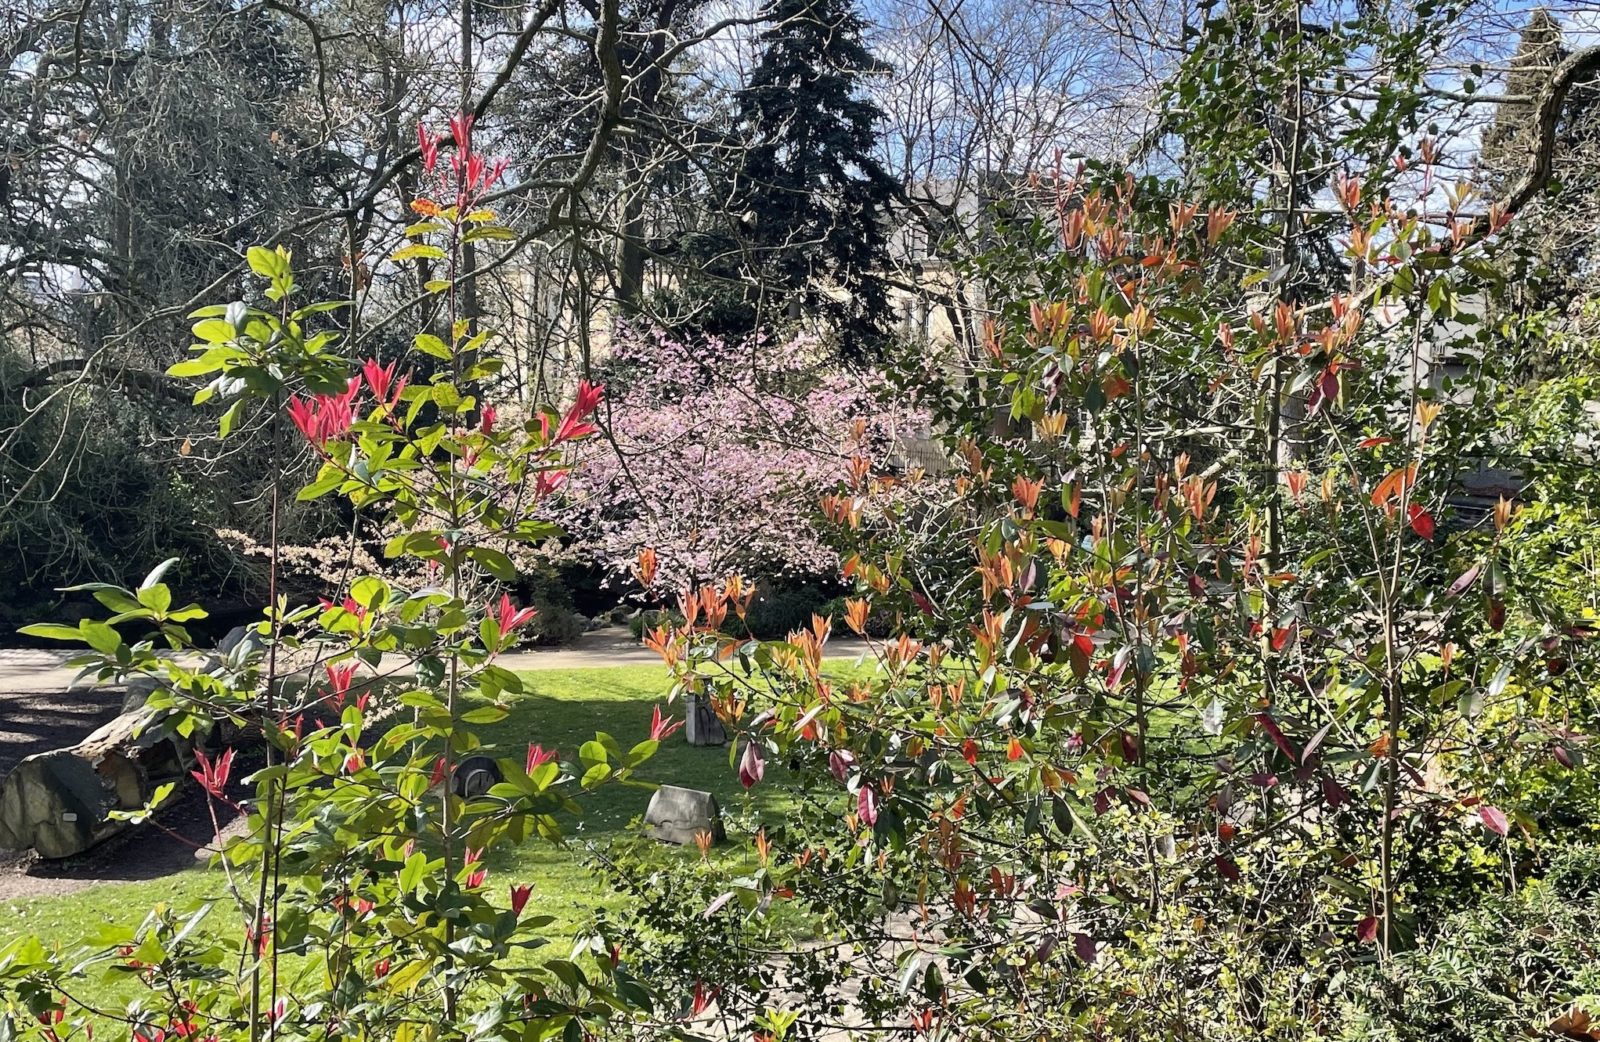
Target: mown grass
x=559 y=709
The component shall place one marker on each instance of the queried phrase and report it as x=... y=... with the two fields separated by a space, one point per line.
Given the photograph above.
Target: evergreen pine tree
x=1558 y=236
x=1538 y=52
x=816 y=200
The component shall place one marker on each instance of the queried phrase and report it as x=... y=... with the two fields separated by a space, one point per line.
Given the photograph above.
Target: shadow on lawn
x=560 y=721
x=560 y=709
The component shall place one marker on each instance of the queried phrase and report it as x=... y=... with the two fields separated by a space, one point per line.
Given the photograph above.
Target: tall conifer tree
x=815 y=197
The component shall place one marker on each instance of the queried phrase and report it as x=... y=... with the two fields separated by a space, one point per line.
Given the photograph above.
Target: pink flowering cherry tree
x=717 y=452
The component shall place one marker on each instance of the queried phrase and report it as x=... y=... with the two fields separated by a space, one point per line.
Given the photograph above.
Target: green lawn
x=561 y=709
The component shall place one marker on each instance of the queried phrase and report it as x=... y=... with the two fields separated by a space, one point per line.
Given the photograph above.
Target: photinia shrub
x=358 y=898
x=1202 y=691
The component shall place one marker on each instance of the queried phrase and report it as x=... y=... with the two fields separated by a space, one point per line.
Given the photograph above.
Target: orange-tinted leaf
x=1394 y=485
x=1575 y=1023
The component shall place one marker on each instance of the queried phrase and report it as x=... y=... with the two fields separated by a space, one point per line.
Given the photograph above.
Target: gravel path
x=36 y=669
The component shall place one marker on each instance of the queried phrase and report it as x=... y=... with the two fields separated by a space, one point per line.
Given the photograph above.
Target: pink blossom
x=717 y=454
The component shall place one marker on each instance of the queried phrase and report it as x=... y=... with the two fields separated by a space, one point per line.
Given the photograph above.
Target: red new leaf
x=1271 y=727
x=1494 y=819
x=867 y=805
x=1421 y=521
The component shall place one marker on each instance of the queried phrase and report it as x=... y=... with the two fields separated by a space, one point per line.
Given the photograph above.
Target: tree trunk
x=58 y=802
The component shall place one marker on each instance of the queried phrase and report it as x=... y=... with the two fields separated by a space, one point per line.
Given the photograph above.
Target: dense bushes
x=649 y=619
x=774 y=612
x=1161 y=746
x=557 y=622
x=1515 y=966
x=83 y=514
x=555 y=626
x=777 y=611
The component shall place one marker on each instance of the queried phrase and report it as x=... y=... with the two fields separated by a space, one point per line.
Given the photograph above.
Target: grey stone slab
x=677 y=815
x=701 y=726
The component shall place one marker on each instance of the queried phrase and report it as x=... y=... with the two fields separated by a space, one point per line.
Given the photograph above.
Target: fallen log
x=58 y=803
